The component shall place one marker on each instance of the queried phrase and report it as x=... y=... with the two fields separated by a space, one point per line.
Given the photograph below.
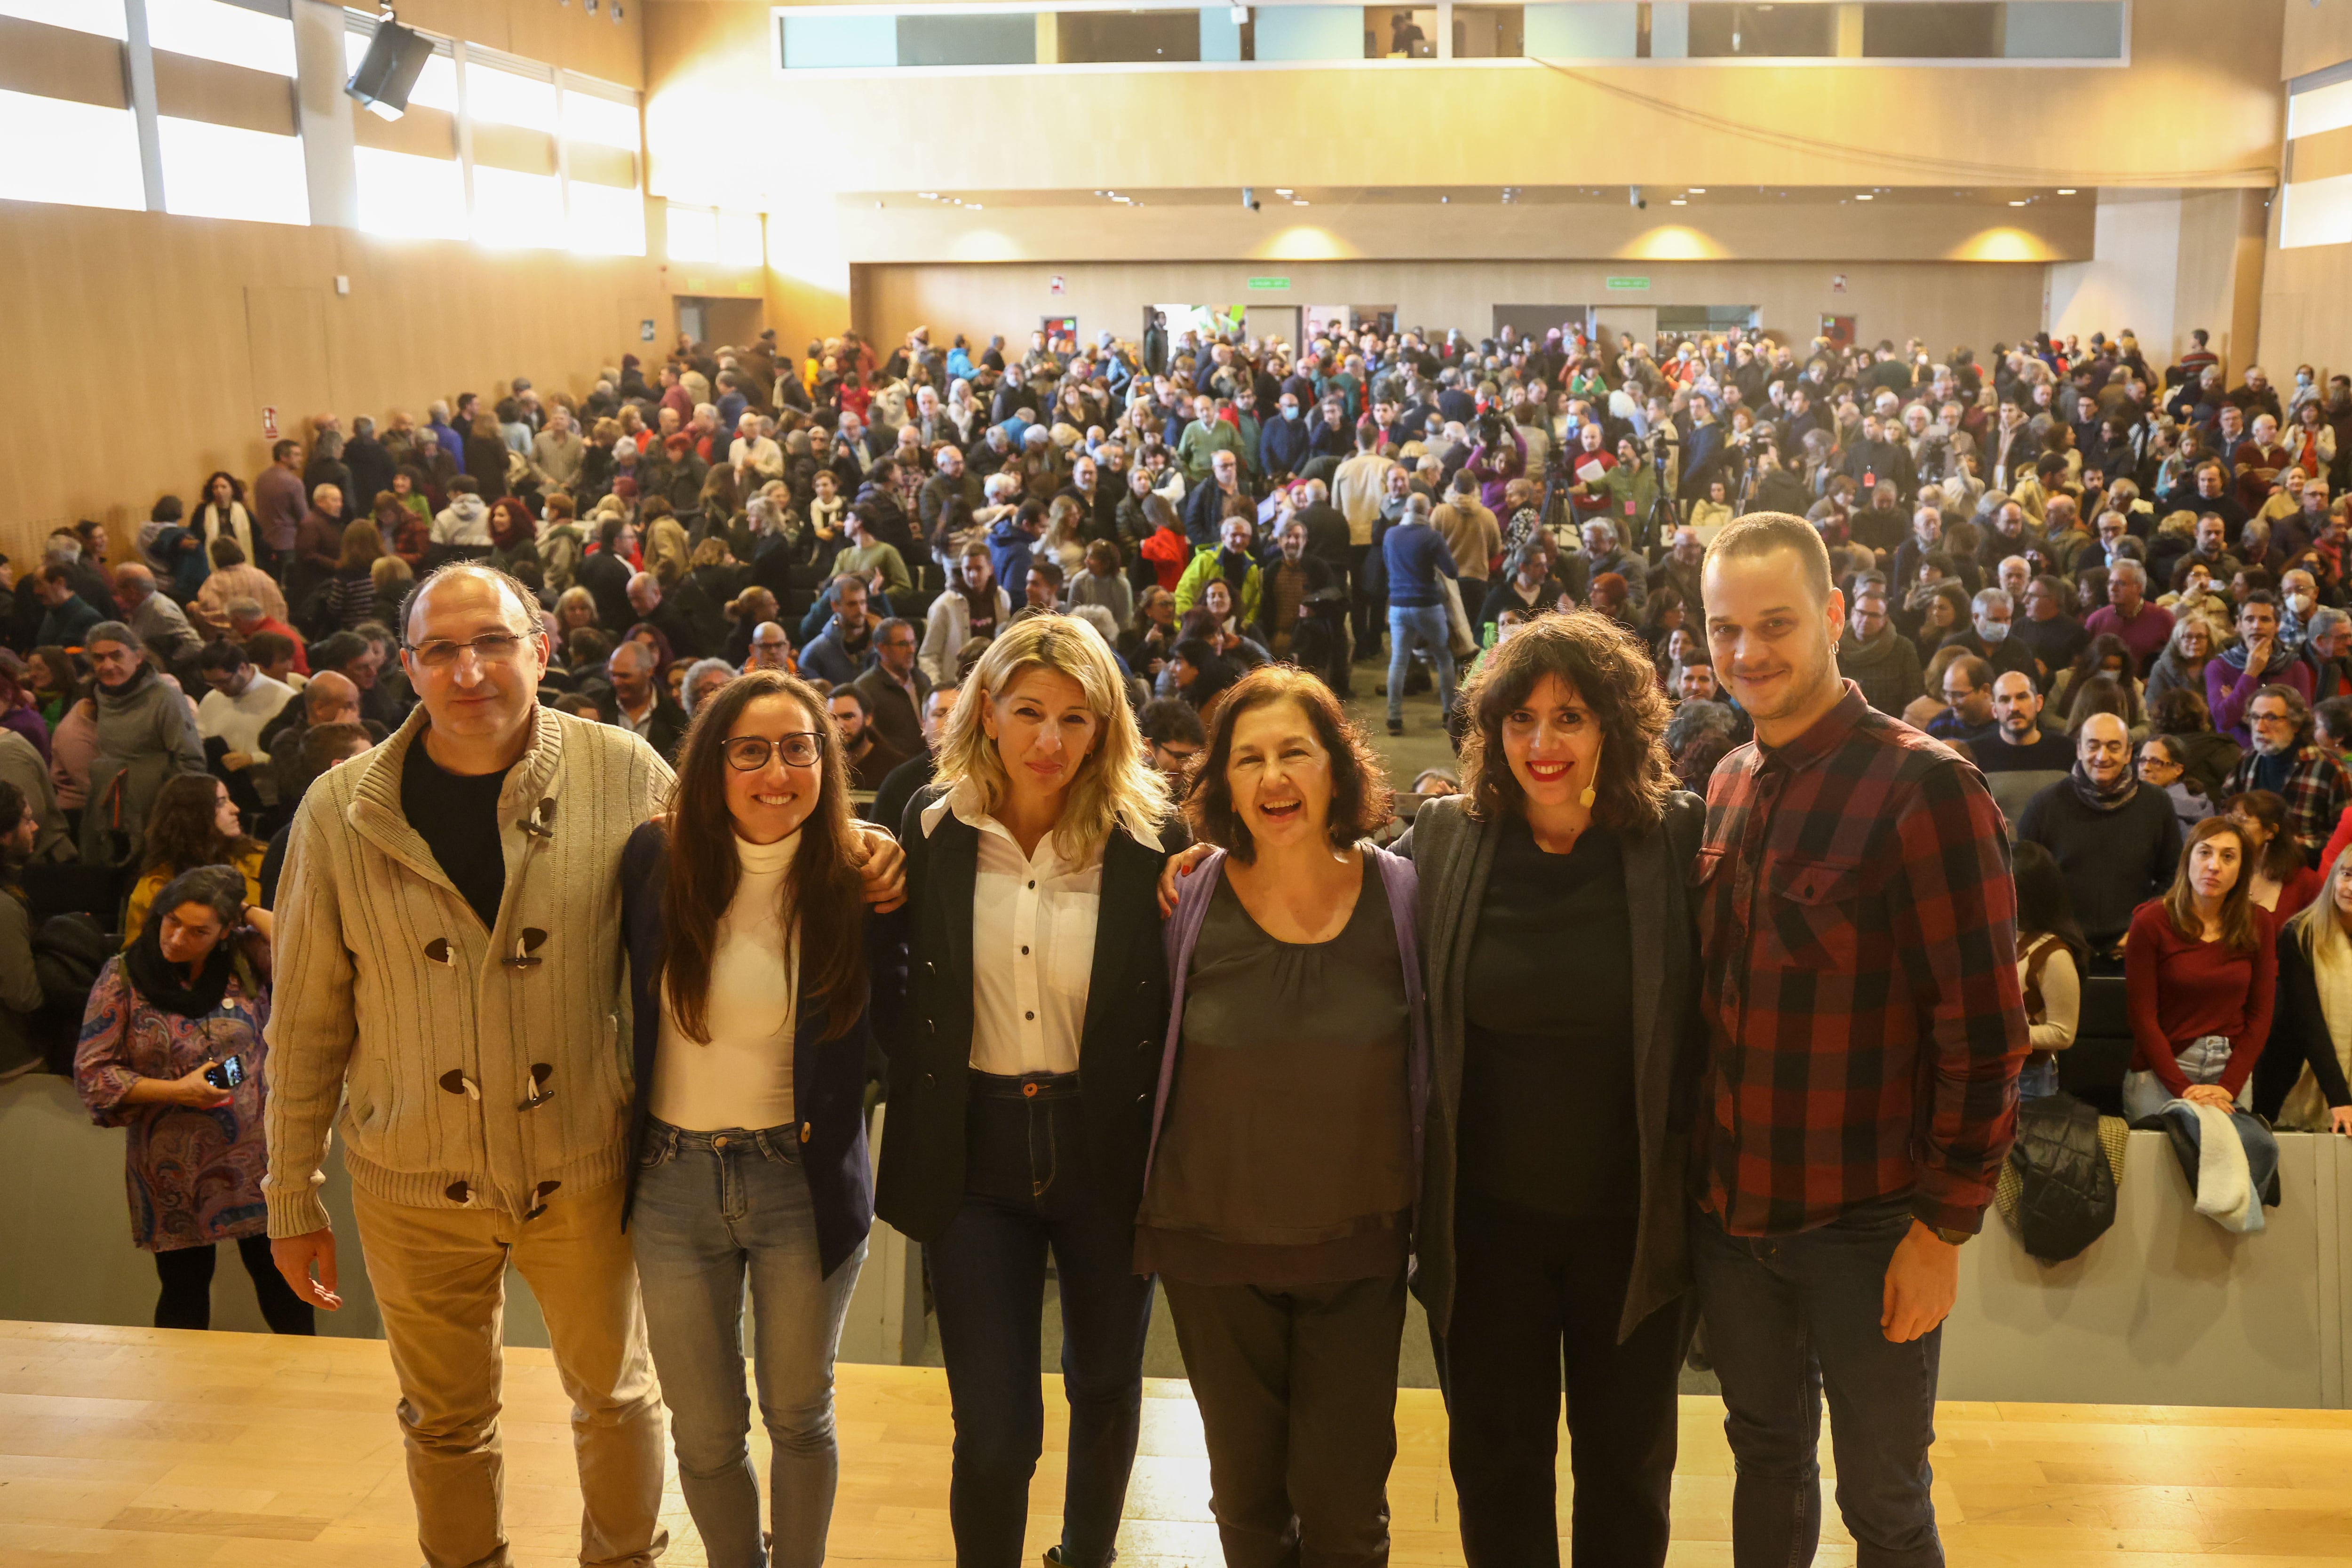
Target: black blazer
x=926 y=1024
x=2299 y=1037
x=828 y=1076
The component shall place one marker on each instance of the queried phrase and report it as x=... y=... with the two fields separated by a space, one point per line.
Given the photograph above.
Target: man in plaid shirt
x=1865 y=1030
x=2288 y=762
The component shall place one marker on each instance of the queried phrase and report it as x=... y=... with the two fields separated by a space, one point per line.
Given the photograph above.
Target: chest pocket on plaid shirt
x=1811 y=912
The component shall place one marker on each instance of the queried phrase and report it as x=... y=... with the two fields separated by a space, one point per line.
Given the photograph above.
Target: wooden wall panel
x=190 y=88
x=147 y=344
x=1976 y=304
x=57 y=62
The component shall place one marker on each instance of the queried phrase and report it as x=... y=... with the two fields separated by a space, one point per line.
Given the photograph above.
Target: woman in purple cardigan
x=1278 y=1194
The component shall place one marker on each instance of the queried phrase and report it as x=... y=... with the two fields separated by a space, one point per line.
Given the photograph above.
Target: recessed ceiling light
x=1282 y=190
x=1678 y=202
x=2066 y=192
x=1699 y=190
x=2017 y=204
x=929 y=195
x=1302 y=202
x=1864 y=196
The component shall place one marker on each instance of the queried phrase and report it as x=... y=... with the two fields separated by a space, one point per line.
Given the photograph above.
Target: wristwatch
x=1952 y=1237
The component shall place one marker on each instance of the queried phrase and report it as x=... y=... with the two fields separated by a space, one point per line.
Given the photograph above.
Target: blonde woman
x=2300 y=1080
x=1034 y=965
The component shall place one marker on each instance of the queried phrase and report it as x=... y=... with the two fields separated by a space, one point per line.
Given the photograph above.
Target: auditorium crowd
x=764 y=734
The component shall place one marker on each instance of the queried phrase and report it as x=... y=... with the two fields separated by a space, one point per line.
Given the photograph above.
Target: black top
x=458 y=817
x=2047 y=754
x=2113 y=861
x=1548 y=1119
x=1287 y=1155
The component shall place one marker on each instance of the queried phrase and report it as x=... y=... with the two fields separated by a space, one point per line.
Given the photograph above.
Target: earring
x=1586 y=798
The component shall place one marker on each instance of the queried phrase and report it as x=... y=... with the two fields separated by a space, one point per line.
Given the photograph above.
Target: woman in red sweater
x=2200 y=977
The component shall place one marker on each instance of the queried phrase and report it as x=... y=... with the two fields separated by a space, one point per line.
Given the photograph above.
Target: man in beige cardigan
x=448 y=979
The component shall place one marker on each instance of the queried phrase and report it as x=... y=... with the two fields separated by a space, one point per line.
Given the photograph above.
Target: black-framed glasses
x=490 y=647
x=749 y=754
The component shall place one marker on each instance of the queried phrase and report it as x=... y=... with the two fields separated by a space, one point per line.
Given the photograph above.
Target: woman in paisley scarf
x=171 y=1050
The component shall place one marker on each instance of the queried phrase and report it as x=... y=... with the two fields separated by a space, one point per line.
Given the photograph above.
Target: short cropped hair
x=1762 y=533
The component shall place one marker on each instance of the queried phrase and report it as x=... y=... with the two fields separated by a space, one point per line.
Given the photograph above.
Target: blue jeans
x=713 y=1209
x=1424 y=626
x=1788 y=1319
x=1026 y=1189
x=2038 y=1080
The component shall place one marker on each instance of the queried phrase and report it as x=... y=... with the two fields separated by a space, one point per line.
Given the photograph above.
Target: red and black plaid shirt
x=1865 y=1023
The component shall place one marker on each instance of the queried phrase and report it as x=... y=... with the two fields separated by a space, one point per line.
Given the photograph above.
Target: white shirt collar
x=964 y=799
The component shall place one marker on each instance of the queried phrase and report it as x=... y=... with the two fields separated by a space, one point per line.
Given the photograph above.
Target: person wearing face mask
x=2298 y=601
x=1987 y=634
x=1020 y=1107
x=744 y=922
x=1282 y=1242
x=1285 y=442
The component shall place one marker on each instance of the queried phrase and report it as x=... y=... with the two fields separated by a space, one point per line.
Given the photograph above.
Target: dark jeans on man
x=1296 y=1387
x=1026 y=1189
x=1789 y=1317
x=186 y=1300
x=1537 y=1299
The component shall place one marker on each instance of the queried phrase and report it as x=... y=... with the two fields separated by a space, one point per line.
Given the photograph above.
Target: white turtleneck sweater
x=743 y=1077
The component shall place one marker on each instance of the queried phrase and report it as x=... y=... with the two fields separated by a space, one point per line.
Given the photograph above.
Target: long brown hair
x=823 y=899
x=1610 y=669
x=2240 y=933
x=180 y=830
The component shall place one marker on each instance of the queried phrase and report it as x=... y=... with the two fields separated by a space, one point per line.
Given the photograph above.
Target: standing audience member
x=745 y=919
x=145 y=731
x=1833 y=1219
x=21 y=994
x=171 y=1050
x=1282 y=1242
x=1415 y=557
x=1018 y=1101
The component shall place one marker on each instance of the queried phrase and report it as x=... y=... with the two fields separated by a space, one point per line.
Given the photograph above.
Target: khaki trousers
x=439 y=1277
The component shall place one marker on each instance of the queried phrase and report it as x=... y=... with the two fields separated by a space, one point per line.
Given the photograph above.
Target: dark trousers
x=1297 y=1394
x=187 y=1299
x=1028 y=1190
x=1368 y=612
x=1537 y=1299
x=1789 y=1317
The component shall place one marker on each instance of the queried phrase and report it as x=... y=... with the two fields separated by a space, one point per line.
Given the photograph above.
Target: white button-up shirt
x=1033 y=943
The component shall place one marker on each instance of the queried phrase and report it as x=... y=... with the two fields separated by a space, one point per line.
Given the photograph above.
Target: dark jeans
x=1368 y=613
x=1537 y=1299
x=1297 y=1394
x=1789 y=1317
x=1026 y=1189
x=187 y=1299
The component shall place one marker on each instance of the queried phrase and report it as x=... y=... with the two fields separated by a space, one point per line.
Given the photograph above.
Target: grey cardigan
x=1454 y=854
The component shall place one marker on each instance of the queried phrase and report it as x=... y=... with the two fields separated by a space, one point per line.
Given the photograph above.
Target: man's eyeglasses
x=749 y=754
x=490 y=647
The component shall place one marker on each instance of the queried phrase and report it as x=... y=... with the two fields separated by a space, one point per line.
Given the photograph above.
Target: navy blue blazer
x=828 y=1076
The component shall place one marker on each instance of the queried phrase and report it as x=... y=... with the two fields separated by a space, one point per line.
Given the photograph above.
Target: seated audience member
x=973 y=605
x=2331 y=725
x=2289 y=764
x=1877 y=658
x=171 y=1050
x=329 y=698
x=323 y=746
x=1987 y=634
x=652 y=607
x=2210 y=758
x=2044 y=627
x=895 y=687
x=146 y=731
x=641 y=704
x=1700 y=734
x=871 y=758
x=1172 y=737
x=844 y=649
x=2018 y=743
x=2115 y=842
x=2051 y=956
x=69 y=616
x=902 y=783
x=2258 y=661
x=2281 y=881
x=1197 y=672
x=232 y=715
x=1968 y=701
x=2163 y=766
x=2145 y=628
x=247 y=621
x=160 y=622
x=701 y=678
x=2200 y=974
x=2301 y=1080
x=20 y=985
x=195 y=823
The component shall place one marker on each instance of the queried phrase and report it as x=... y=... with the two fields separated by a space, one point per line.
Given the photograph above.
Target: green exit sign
x=1621 y=284
x=1269 y=282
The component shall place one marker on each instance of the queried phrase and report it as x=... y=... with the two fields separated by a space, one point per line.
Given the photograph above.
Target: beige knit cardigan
x=460 y=1072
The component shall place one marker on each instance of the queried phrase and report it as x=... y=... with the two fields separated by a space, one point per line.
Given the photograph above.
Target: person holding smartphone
x=171 y=1050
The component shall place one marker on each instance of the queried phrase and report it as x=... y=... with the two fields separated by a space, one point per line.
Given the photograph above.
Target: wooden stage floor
x=133 y=1447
